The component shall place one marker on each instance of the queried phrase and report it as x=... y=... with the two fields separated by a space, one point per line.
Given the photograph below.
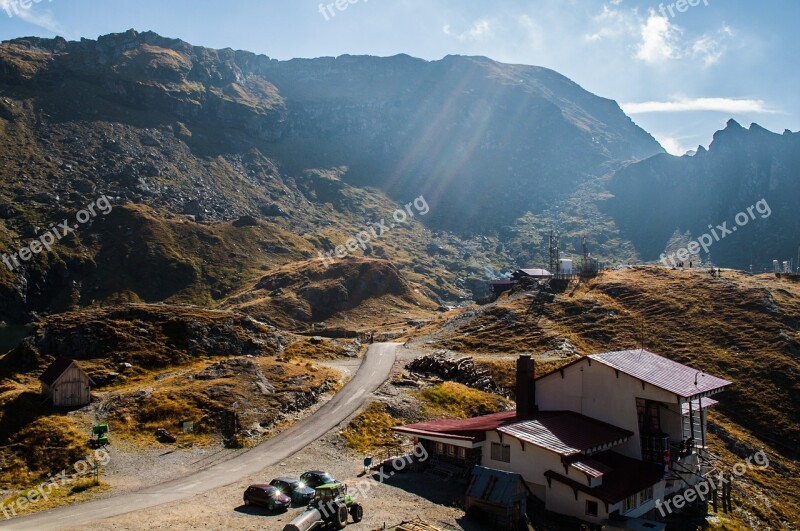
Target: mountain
x=484 y=142
x=185 y=141
x=452 y=130
x=664 y=196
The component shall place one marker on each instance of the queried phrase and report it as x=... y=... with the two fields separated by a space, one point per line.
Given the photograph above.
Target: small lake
x=11 y=335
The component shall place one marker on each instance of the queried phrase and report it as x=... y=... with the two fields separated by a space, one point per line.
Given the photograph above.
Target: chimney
x=526 y=387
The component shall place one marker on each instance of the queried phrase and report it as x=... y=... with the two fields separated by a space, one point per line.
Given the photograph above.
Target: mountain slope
x=175 y=133
x=485 y=142
x=743 y=328
x=461 y=130
x=659 y=196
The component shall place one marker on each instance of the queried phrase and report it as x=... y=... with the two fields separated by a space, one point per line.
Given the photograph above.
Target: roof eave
x=423 y=433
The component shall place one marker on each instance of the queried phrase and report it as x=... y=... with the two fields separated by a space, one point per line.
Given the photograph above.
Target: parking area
x=401 y=497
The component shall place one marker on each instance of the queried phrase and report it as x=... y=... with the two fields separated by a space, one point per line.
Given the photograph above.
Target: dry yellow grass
x=451 y=399
x=371 y=429
x=185 y=397
x=77 y=491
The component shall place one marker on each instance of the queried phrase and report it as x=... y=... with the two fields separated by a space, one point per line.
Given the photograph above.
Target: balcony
x=656 y=448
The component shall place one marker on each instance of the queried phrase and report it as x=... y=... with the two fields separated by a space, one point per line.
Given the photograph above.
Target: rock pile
x=462 y=370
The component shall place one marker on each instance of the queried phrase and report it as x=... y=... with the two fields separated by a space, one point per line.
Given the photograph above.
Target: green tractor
x=331 y=505
x=99 y=436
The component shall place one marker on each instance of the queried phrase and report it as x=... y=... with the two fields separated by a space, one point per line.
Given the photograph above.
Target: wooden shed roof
x=57 y=368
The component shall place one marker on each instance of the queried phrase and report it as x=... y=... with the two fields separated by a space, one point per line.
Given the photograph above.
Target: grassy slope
x=193 y=363
x=738 y=327
x=351 y=292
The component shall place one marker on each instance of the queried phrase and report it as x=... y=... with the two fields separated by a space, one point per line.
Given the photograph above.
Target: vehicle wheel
x=340 y=516
x=357 y=512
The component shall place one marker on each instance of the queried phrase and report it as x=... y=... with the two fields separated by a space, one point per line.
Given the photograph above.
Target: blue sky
x=680 y=73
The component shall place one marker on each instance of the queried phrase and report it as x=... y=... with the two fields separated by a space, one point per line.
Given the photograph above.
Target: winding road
x=374 y=370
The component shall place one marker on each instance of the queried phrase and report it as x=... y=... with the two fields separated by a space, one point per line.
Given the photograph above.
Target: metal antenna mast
x=555 y=253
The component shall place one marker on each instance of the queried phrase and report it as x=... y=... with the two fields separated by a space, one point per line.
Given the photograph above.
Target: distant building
x=502 y=285
x=66 y=384
x=605 y=439
x=531 y=273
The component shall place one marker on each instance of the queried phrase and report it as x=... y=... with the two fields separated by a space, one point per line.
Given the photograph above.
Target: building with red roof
x=602 y=439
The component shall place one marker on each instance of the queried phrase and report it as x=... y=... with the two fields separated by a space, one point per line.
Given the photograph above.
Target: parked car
x=315 y=478
x=267 y=496
x=295 y=489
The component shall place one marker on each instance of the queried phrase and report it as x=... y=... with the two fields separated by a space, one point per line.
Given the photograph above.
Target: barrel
x=306 y=521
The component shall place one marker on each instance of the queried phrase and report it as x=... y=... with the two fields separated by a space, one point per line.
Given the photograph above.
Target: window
x=629 y=504
x=591 y=508
x=649 y=416
x=646 y=495
x=451 y=450
x=439 y=448
x=462 y=452
x=501 y=452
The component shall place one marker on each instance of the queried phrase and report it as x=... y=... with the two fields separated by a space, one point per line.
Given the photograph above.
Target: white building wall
x=531 y=463
x=561 y=500
x=597 y=391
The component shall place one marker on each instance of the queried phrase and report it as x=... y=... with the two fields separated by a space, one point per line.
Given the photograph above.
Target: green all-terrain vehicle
x=331 y=505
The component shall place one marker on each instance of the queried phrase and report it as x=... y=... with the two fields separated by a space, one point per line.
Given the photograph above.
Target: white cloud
x=480 y=29
x=726 y=105
x=33 y=14
x=612 y=24
x=711 y=48
x=671 y=144
x=660 y=40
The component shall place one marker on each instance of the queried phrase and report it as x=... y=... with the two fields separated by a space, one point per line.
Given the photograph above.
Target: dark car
x=315 y=478
x=295 y=489
x=267 y=496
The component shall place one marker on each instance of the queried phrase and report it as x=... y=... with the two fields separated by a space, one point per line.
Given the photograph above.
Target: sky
x=679 y=70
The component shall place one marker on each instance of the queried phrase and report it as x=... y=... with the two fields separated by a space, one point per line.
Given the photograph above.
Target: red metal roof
x=563 y=432
x=460 y=428
x=566 y=433
x=662 y=372
x=627 y=477
x=56 y=369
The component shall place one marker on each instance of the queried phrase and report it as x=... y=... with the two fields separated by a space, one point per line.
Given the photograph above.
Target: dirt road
x=373 y=372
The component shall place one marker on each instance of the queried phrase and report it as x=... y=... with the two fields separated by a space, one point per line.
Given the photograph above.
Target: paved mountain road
x=374 y=371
